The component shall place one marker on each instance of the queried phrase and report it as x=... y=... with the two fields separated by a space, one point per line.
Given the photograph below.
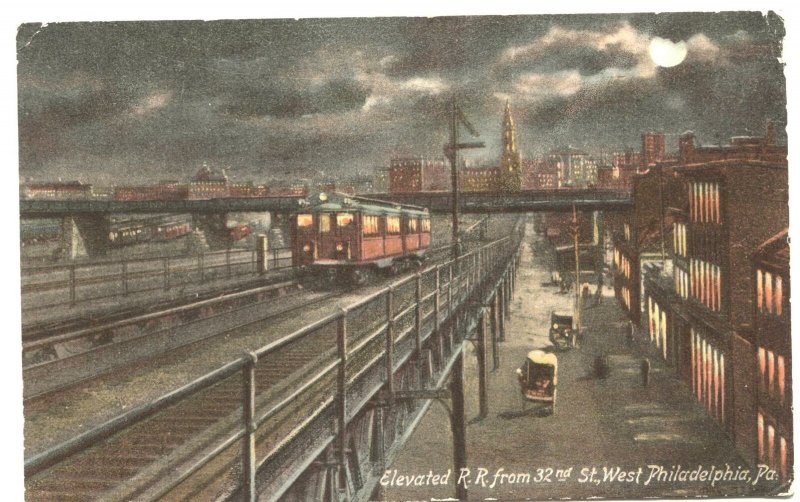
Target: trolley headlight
x=340 y=246
x=307 y=248
x=555 y=326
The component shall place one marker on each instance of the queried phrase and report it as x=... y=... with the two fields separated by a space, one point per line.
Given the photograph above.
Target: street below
x=609 y=437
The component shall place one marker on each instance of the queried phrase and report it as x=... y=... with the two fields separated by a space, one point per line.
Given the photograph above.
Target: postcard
x=468 y=257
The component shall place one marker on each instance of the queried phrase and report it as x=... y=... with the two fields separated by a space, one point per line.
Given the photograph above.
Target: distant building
x=57 y=190
x=654 y=149
x=208 y=184
x=761 y=148
x=539 y=174
x=574 y=167
x=417 y=174
x=478 y=179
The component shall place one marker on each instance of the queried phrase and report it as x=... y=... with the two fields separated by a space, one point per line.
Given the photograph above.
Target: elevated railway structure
x=314 y=415
x=88 y=220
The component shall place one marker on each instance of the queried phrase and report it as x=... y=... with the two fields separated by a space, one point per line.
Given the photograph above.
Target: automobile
x=562 y=331
x=538 y=379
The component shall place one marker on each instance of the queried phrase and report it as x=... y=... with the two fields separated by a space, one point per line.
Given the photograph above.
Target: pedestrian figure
x=600 y=367
x=630 y=332
x=645 y=369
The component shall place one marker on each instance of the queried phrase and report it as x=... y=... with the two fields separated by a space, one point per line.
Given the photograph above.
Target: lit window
x=770 y=371
x=412 y=225
x=781 y=379
x=370 y=225
x=767 y=292
x=759 y=290
x=344 y=219
x=305 y=220
x=324 y=223
x=762 y=365
x=760 y=427
x=393 y=224
x=426 y=225
x=778 y=295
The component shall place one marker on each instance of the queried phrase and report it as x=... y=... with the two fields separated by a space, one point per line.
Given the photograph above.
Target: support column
x=501 y=313
x=483 y=394
x=458 y=422
x=493 y=319
x=378 y=450
x=341 y=402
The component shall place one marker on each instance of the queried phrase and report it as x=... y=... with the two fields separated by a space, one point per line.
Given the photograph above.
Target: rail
x=135 y=276
x=361 y=339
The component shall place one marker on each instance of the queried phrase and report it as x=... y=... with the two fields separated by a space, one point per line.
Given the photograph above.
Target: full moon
x=666 y=53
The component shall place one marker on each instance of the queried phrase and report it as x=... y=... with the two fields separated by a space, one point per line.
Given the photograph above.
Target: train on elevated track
x=346 y=238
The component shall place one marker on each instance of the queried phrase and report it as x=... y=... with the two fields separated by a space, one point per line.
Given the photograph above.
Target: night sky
x=283 y=99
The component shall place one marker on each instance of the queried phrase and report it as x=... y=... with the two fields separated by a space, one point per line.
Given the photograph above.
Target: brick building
x=417 y=174
x=539 y=174
x=772 y=338
x=698 y=310
x=716 y=307
x=654 y=149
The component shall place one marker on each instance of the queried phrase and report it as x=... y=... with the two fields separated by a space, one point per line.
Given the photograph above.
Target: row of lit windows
x=772 y=447
x=769 y=292
x=708 y=376
x=706 y=283
x=657 y=325
x=622 y=263
x=625 y=293
x=704 y=202
x=371 y=223
x=681 y=282
x=679 y=238
x=772 y=374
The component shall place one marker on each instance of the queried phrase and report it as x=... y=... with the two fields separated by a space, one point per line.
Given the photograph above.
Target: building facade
x=418 y=174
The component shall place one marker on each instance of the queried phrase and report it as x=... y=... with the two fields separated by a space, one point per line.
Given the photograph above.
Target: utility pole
x=451 y=152
x=576 y=233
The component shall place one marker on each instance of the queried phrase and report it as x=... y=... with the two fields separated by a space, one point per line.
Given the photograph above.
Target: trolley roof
x=335 y=202
x=542 y=357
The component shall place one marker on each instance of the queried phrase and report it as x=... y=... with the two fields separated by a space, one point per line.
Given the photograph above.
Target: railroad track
x=126 y=466
x=136 y=460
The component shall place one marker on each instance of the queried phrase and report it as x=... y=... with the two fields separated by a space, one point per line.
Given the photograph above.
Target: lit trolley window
x=426 y=225
x=370 y=224
x=305 y=220
x=344 y=219
x=324 y=223
x=393 y=224
x=412 y=225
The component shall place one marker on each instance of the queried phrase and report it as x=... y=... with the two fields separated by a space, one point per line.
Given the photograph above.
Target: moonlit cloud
x=275 y=99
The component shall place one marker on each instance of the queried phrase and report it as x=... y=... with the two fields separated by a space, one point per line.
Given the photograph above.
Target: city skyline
x=276 y=98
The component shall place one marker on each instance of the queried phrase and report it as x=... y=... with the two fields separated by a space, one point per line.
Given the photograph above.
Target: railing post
x=483 y=393
x=125 y=278
x=228 y=261
x=275 y=258
x=201 y=266
x=390 y=345
x=458 y=419
x=72 y=284
x=495 y=335
x=436 y=324
x=501 y=312
x=248 y=417
x=450 y=290
x=341 y=396
x=418 y=314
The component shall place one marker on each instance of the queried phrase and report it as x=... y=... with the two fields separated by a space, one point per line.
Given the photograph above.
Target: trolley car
x=348 y=238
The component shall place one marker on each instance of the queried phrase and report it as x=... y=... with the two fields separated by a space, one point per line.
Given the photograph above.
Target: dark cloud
x=273 y=99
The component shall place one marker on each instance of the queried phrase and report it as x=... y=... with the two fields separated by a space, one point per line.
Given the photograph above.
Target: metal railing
x=337 y=350
x=81 y=281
